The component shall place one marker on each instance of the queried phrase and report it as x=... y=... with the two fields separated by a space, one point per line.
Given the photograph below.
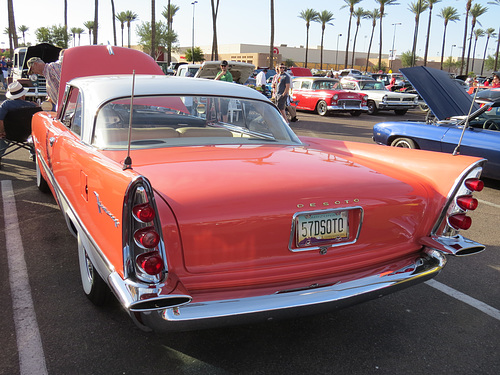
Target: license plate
x=316 y=229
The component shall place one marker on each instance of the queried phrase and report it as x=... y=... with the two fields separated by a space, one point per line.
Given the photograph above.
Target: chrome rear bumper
x=201 y=315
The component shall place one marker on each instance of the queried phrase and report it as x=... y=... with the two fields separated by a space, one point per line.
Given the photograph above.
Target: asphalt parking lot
x=450 y=325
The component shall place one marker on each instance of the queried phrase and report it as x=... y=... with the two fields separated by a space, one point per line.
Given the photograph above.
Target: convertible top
x=444 y=96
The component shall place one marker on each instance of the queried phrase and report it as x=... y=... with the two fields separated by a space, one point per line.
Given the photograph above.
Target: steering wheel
x=491 y=125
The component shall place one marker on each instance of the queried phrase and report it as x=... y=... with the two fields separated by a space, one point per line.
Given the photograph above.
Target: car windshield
x=371 y=85
x=326 y=85
x=490 y=115
x=163 y=121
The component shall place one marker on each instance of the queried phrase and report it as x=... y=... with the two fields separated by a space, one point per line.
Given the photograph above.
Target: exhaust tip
x=160 y=303
x=469 y=251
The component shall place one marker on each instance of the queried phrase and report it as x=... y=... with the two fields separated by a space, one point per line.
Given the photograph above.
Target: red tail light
x=147 y=237
x=460 y=221
x=474 y=184
x=151 y=262
x=144 y=212
x=467 y=202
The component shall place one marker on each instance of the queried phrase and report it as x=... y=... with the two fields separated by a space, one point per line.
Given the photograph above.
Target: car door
x=478 y=142
x=306 y=96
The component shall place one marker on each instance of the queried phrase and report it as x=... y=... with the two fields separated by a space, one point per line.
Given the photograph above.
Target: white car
x=379 y=98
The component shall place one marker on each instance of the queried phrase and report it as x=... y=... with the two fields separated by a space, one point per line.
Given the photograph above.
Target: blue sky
x=242 y=21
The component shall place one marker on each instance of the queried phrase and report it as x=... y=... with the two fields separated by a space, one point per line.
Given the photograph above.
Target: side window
x=306 y=85
x=296 y=84
x=72 y=115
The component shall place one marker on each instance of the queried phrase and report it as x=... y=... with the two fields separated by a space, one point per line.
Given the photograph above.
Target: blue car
x=452 y=130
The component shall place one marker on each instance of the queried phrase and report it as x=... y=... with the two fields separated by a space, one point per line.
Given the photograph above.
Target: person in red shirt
x=495 y=83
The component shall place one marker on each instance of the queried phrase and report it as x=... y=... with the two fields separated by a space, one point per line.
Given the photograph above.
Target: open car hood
x=443 y=95
x=47 y=52
x=240 y=71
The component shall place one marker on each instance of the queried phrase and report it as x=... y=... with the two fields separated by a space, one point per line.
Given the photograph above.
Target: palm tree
x=447 y=14
x=324 y=18
x=383 y=4
x=22 y=29
x=468 y=5
x=417 y=8
x=308 y=15
x=496 y=2
x=350 y=4
x=130 y=17
x=271 y=43
x=12 y=26
x=113 y=20
x=490 y=33
x=374 y=15
x=169 y=13
x=358 y=14
x=90 y=26
x=122 y=18
x=74 y=31
x=477 y=34
x=66 y=23
x=476 y=11
x=430 y=4
x=79 y=32
x=153 y=29
x=96 y=20
x=215 y=12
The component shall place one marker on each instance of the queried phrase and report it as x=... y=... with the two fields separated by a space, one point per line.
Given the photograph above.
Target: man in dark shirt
x=282 y=90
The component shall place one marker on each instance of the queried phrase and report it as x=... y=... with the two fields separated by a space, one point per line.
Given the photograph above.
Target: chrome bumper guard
x=201 y=315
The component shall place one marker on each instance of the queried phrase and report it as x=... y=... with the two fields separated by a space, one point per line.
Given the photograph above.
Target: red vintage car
x=196 y=205
x=325 y=95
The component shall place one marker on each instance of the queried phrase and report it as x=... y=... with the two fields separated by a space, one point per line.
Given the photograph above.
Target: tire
x=404 y=143
x=93 y=285
x=400 y=112
x=372 y=108
x=41 y=184
x=322 y=108
x=355 y=113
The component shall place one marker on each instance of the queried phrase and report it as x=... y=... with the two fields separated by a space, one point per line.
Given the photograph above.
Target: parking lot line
x=481 y=306
x=488 y=203
x=29 y=343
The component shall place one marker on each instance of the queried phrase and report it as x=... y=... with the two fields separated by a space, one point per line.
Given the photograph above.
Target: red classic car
x=325 y=95
x=197 y=206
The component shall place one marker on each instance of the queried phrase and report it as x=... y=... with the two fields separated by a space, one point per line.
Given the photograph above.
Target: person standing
x=4 y=75
x=282 y=90
x=52 y=74
x=260 y=80
x=495 y=82
x=224 y=74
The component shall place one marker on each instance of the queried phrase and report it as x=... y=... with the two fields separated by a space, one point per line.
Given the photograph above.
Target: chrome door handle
x=52 y=140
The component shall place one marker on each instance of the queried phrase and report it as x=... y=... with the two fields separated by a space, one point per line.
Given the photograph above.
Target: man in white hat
x=15 y=94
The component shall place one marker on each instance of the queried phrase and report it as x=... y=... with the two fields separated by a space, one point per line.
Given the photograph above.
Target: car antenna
x=127 y=164
x=466 y=125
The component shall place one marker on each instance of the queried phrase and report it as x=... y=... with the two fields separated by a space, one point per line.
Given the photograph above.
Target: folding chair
x=17 y=126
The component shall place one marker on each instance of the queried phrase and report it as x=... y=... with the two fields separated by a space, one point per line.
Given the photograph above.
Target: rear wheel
x=322 y=108
x=400 y=112
x=93 y=285
x=372 y=107
x=41 y=184
x=404 y=143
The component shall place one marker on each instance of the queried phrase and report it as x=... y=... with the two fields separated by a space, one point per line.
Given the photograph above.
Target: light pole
x=337 y=55
x=393 y=55
x=192 y=45
x=451 y=56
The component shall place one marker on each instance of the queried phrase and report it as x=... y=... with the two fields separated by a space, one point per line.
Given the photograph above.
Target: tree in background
x=169 y=13
x=56 y=35
x=447 y=14
x=478 y=33
x=490 y=33
x=468 y=5
x=350 y=4
x=271 y=43
x=383 y=4
x=417 y=8
x=408 y=59
x=130 y=16
x=12 y=27
x=66 y=20
x=215 y=47
x=324 y=19
x=476 y=11
x=153 y=46
x=496 y=2
x=374 y=15
x=89 y=25
x=23 y=29
x=144 y=33
x=308 y=15
x=96 y=20
x=430 y=4
x=113 y=21
x=197 y=56
x=122 y=18
x=359 y=14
